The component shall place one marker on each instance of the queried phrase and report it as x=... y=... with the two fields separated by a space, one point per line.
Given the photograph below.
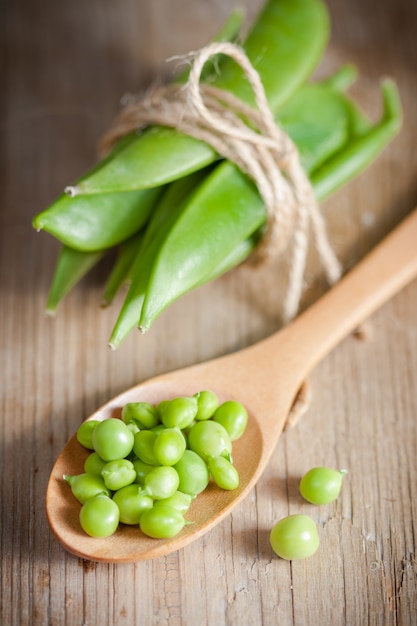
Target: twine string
x=250 y=138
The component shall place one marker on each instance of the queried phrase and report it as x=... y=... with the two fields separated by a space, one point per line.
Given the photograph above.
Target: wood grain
x=64 y=68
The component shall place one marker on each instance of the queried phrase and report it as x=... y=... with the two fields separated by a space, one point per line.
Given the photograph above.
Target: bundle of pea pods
x=178 y=214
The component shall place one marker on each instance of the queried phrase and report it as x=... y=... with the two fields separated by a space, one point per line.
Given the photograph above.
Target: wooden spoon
x=264 y=377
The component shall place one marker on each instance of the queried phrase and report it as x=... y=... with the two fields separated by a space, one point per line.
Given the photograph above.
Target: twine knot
x=250 y=138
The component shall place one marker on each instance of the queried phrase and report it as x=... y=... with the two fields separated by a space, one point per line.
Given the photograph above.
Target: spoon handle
x=390 y=266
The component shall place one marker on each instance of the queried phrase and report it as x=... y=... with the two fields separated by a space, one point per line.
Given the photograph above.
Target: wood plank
x=65 y=67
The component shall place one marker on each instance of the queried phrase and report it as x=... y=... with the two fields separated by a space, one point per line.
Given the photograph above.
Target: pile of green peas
x=146 y=468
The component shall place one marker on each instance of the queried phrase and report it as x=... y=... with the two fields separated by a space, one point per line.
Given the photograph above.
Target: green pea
x=179 y=500
x=207 y=403
x=158 y=429
x=143 y=446
x=224 y=474
x=233 y=417
x=209 y=438
x=94 y=464
x=295 y=537
x=162 y=522
x=85 y=486
x=161 y=407
x=112 y=439
x=132 y=503
x=192 y=472
x=179 y=412
x=186 y=430
x=321 y=485
x=85 y=433
x=169 y=446
x=162 y=482
x=141 y=470
x=117 y=474
x=133 y=427
x=99 y=516
x=143 y=414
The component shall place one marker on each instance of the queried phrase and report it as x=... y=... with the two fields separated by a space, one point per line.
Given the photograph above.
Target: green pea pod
x=201 y=236
x=235 y=257
x=71 y=266
x=213 y=222
x=126 y=254
x=78 y=222
x=90 y=224
x=356 y=122
x=326 y=182
x=135 y=246
x=318 y=120
x=230 y=31
x=174 y=197
x=285 y=45
x=362 y=150
x=128 y=318
x=162 y=220
x=341 y=79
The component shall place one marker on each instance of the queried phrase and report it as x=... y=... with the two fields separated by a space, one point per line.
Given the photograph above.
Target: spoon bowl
x=128 y=543
x=264 y=377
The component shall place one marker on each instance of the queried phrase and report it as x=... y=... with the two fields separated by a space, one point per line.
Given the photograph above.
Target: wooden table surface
x=65 y=67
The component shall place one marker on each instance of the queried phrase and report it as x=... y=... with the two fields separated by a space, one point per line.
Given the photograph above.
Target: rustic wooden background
x=64 y=67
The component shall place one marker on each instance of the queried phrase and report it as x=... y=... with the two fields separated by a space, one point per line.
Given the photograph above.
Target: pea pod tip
x=37 y=224
x=72 y=191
